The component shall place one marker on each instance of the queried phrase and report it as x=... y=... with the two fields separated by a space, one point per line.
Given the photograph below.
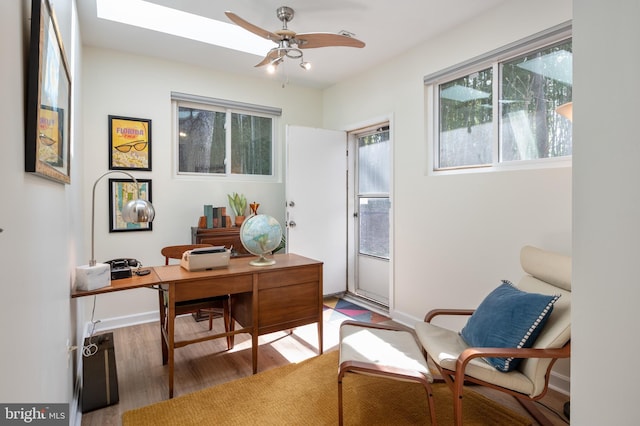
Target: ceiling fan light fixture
x=273 y=65
x=289 y=43
x=292 y=52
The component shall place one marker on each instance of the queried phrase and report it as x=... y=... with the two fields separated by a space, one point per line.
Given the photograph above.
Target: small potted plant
x=238 y=203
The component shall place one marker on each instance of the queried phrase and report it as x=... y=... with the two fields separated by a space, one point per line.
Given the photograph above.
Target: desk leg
x=163 y=318
x=254 y=321
x=170 y=333
x=320 y=309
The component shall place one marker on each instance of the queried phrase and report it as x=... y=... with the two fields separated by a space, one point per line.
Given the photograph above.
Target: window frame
x=227 y=107
x=493 y=59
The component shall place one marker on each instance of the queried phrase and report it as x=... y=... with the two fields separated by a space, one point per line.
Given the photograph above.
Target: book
x=218 y=215
x=208 y=212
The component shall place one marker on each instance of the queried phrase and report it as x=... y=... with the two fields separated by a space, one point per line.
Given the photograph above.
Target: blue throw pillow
x=508 y=318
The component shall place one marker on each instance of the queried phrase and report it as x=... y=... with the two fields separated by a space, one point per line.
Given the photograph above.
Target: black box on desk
x=99 y=374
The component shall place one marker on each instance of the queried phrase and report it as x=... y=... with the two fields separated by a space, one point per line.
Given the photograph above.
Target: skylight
x=154 y=17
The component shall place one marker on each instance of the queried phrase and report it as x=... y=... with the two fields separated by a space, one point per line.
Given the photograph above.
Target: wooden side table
x=228 y=237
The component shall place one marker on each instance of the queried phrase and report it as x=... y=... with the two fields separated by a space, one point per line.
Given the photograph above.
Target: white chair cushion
x=445 y=346
x=391 y=348
x=552 y=268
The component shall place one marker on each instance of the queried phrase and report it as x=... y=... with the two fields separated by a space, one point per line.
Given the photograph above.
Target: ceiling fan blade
x=252 y=28
x=273 y=54
x=313 y=40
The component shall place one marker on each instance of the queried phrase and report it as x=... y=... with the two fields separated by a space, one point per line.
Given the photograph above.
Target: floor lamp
x=97 y=275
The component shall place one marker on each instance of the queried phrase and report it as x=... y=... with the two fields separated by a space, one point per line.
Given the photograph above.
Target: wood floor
x=143 y=380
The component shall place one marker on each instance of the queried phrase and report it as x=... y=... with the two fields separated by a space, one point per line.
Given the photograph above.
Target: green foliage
x=251 y=147
x=238 y=203
x=282 y=245
x=529 y=89
x=458 y=113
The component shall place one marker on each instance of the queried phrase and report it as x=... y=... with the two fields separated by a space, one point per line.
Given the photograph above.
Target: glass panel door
x=373 y=170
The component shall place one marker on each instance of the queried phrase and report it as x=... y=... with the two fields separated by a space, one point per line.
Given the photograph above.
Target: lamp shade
x=566 y=110
x=138 y=211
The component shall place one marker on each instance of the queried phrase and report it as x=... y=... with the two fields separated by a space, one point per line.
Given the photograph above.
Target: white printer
x=204 y=258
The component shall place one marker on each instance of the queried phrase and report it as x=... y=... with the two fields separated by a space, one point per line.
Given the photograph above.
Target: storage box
x=99 y=374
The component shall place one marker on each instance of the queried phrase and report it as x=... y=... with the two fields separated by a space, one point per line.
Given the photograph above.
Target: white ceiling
x=387 y=27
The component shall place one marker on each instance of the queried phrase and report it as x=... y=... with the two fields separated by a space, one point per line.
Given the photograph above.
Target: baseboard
x=404 y=319
x=123 y=321
x=372 y=306
x=560 y=383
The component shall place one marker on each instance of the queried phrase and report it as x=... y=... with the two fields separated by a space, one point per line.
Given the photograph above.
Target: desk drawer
x=284 y=307
x=199 y=289
x=289 y=277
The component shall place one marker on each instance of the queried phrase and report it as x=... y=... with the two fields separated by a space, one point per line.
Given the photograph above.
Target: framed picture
x=129 y=143
x=121 y=191
x=47 y=146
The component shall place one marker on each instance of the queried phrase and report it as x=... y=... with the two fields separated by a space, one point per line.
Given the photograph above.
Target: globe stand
x=262 y=261
x=260 y=234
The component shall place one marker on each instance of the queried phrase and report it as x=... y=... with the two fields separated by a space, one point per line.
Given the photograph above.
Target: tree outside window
x=522 y=95
x=206 y=144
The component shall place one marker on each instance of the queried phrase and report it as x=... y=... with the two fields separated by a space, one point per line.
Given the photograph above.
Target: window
x=372 y=194
x=501 y=108
x=218 y=137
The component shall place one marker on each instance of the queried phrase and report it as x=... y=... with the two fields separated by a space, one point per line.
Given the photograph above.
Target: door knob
x=292 y=204
x=292 y=224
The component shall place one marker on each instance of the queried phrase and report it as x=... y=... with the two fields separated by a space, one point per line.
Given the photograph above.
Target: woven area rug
x=307 y=393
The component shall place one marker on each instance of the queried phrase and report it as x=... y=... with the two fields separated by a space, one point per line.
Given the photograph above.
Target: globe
x=260 y=234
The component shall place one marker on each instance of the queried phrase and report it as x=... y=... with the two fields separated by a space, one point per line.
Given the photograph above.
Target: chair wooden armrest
x=471 y=353
x=435 y=312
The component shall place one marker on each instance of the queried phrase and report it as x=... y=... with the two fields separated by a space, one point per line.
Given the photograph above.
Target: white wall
x=456 y=236
x=606 y=218
x=118 y=83
x=40 y=241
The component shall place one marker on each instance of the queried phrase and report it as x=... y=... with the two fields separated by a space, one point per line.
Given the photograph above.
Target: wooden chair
x=213 y=306
x=547 y=273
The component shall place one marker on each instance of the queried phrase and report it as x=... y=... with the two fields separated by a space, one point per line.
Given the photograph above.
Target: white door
x=316 y=193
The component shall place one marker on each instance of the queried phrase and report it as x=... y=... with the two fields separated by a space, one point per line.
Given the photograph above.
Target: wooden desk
x=124 y=284
x=264 y=299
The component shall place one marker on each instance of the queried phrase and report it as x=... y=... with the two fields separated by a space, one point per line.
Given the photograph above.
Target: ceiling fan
x=290 y=43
